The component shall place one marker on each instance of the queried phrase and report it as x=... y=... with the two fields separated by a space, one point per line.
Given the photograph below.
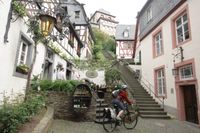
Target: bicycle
x=129 y=120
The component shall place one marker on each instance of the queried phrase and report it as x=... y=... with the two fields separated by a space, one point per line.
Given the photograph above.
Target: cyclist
x=120 y=96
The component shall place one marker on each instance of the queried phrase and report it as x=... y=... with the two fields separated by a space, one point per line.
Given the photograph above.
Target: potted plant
x=22 y=68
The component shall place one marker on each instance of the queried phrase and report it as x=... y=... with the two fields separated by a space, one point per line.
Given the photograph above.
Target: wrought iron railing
x=146 y=84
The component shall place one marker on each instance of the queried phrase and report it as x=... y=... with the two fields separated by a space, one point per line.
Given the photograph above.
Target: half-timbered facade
x=17 y=45
x=81 y=24
x=168 y=41
x=124 y=41
x=104 y=21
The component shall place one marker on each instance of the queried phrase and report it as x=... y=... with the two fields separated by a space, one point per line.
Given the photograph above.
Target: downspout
x=136 y=34
x=8 y=24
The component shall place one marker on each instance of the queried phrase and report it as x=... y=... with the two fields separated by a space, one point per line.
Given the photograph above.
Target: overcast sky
x=124 y=10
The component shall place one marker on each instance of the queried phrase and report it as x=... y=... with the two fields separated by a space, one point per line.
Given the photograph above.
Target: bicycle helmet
x=124 y=87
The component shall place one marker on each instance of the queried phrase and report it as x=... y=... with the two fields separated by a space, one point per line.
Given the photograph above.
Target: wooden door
x=190 y=101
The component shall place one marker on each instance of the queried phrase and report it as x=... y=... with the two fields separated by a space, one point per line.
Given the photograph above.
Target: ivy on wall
x=19 y=8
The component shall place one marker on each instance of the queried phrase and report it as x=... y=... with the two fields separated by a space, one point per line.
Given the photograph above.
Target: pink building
x=168 y=43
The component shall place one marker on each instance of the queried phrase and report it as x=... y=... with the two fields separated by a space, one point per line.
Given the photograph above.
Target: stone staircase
x=148 y=107
x=100 y=105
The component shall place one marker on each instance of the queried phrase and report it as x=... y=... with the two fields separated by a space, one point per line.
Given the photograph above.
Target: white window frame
x=182 y=71
x=160 y=82
x=158 y=44
x=77 y=14
x=181 y=26
x=23 y=52
x=126 y=34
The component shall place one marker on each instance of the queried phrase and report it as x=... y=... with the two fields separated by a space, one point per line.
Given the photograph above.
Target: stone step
x=144 y=99
x=146 y=102
x=150 y=108
x=138 y=89
x=100 y=100
x=99 y=120
x=140 y=92
x=155 y=116
x=98 y=110
x=102 y=105
x=144 y=112
x=142 y=96
x=148 y=105
x=99 y=115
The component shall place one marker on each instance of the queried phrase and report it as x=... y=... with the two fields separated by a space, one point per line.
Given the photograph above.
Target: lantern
x=47 y=24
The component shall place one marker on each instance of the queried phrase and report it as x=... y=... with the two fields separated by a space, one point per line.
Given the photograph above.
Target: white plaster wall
x=4 y=6
x=81 y=74
x=8 y=82
x=195 y=49
x=41 y=51
x=191 y=50
x=11 y=85
x=117 y=49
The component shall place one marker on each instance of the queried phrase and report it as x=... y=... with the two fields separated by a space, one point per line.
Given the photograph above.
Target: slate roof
x=120 y=29
x=104 y=11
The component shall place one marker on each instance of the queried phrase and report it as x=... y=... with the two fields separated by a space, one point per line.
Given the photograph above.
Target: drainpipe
x=8 y=24
x=136 y=34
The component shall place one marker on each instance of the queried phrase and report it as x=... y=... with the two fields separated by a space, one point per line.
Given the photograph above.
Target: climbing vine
x=19 y=8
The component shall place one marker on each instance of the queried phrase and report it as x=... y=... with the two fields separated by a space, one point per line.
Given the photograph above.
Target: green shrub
x=12 y=116
x=112 y=75
x=58 y=85
x=45 y=85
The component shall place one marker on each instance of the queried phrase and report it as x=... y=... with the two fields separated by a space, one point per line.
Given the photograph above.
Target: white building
x=104 y=21
x=17 y=47
x=168 y=40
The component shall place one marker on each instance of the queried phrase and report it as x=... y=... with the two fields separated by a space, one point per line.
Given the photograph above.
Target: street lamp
x=47 y=24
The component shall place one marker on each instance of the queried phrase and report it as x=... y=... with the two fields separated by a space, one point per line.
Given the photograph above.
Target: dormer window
x=149 y=14
x=126 y=34
x=77 y=14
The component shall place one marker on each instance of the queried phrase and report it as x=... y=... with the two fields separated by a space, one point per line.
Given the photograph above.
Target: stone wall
x=62 y=103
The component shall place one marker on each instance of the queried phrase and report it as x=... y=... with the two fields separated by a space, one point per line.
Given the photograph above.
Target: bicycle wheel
x=130 y=120
x=109 y=124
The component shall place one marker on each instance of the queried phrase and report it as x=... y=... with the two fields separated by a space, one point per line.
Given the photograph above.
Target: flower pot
x=20 y=70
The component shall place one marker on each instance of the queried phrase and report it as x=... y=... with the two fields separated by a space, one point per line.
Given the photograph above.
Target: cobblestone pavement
x=144 y=126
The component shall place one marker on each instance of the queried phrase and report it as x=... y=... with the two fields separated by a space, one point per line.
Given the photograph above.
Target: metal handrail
x=145 y=83
x=149 y=86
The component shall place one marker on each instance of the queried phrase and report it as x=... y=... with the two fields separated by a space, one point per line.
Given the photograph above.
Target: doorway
x=190 y=103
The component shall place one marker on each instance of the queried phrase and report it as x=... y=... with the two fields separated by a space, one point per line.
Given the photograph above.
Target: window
x=48 y=65
x=68 y=71
x=23 y=53
x=182 y=30
x=23 y=57
x=127 y=45
x=186 y=72
x=138 y=58
x=126 y=34
x=77 y=14
x=160 y=78
x=158 y=46
x=149 y=14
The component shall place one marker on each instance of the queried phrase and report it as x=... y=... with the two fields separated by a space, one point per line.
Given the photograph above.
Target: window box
x=22 y=68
